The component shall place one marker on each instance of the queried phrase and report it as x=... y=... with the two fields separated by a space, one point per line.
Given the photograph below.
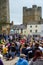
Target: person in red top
x=22 y=41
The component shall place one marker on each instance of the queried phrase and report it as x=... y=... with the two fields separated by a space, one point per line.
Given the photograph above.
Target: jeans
x=12 y=54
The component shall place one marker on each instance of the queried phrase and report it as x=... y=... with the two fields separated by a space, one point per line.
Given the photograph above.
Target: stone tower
x=4 y=11
x=4 y=14
x=32 y=15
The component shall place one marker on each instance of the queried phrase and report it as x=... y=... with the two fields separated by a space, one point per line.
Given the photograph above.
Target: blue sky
x=16 y=8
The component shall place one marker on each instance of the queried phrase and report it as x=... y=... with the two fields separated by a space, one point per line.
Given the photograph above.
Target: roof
x=19 y=27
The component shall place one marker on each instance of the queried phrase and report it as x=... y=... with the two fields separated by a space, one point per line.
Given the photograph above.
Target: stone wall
x=32 y=14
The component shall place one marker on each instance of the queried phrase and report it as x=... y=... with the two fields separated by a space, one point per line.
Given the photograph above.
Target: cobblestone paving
x=10 y=62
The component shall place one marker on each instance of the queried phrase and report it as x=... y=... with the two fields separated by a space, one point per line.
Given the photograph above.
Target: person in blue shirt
x=22 y=60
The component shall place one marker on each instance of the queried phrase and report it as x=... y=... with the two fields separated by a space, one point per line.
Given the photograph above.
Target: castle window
x=30 y=30
x=36 y=26
x=31 y=26
x=36 y=31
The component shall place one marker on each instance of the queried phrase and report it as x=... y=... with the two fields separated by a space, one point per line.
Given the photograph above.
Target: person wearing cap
x=22 y=60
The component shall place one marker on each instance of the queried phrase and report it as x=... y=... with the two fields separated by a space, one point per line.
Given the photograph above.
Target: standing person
x=37 y=59
x=24 y=51
x=10 y=38
x=22 y=60
x=35 y=47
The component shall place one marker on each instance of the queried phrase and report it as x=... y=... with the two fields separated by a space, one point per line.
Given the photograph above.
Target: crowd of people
x=28 y=48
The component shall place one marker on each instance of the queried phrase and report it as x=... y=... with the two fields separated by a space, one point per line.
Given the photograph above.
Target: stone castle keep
x=4 y=11
x=32 y=15
x=4 y=16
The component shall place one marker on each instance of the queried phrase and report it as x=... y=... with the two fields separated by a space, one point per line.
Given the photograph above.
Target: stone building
x=34 y=29
x=4 y=14
x=32 y=15
x=4 y=11
x=18 y=29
